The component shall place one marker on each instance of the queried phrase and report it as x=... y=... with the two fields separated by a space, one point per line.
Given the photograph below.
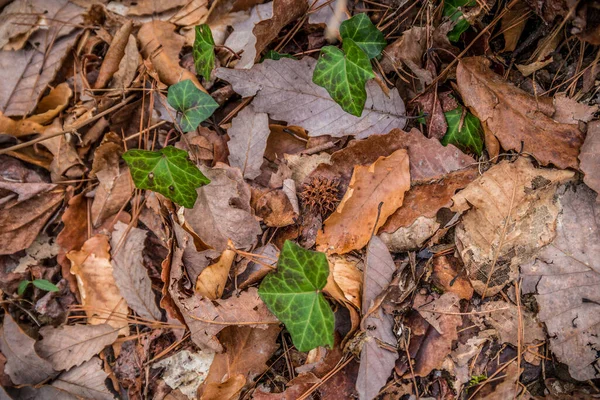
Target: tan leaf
x=227 y=390
x=85 y=381
x=71 y=345
x=566 y=274
x=512 y=24
x=248 y=140
x=52 y=104
x=359 y=213
x=511 y=215
x=149 y=7
x=212 y=280
x=505 y=318
x=66 y=163
x=23 y=364
x=19 y=128
x=448 y=276
x=273 y=206
x=100 y=295
x=518 y=120
x=346 y=275
x=590 y=157
x=412 y=237
x=114 y=55
x=129 y=272
x=128 y=66
x=570 y=111
x=19 y=20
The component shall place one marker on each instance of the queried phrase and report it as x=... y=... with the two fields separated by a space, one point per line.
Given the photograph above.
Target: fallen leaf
x=321 y=12
x=127 y=68
x=294 y=388
x=129 y=272
x=85 y=381
x=100 y=295
x=273 y=207
x=505 y=318
x=211 y=281
x=71 y=345
x=222 y=211
x=347 y=277
x=518 y=120
x=149 y=7
x=512 y=25
x=114 y=55
x=29 y=71
x=359 y=214
x=411 y=237
x=447 y=276
x=568 y=275
x=52 y=104
x=303 y=165
x=289 y=95
x=186 y=370
x=23 y=364
x=248 y=140
x=570 y=111
x=19 y=20
x=66 y=164
x=227 y=390
x=590 y=157
x=511 y=215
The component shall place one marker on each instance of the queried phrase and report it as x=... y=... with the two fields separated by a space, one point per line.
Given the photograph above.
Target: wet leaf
x=167 y=171
x=361 y=30
x=204 y=51
x=344 y=75
x=194 y=105
x=293 y=294
x=464 y=132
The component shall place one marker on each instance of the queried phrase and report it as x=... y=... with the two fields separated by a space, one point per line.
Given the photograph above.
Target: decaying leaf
x=71 y=345
x=360 y=212
x=589 y=157
x=284 y=89
x=85 y=381
x=23 y=364
x=520 y=121
x=248 y=140
x=448 y=276
x=505 y=318
x=567 y=273
x=113 y=57
x=511 y=215
x=185 y=371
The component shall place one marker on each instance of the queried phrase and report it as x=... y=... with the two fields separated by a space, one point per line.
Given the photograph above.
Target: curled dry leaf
x=127 y=68
x=23 y=364
x=66 y=163
x=71 y=345
x=590 y=157
x=511 y=214
x=212 y=280
x=288 y=83
x=100 y=295
x=248 y=140
x=114 y=55
x=567 y=273
x=519 y=121
x=360 y=212
x=52 y=104
x=130 y=273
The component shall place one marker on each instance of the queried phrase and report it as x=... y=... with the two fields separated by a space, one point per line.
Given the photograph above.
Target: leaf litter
x=299 y=199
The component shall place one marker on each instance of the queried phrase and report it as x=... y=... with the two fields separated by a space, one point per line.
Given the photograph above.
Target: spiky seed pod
x=321 y=195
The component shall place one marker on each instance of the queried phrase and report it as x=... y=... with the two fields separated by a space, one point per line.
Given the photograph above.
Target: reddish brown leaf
x=590 y=157
x=113 y=57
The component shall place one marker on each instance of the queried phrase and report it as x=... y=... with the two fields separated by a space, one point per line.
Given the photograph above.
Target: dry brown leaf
x=227 y=390
x=212 y=280
x=447 y=275
x=511 y=216
x=71 y=345
x=294 y=388
x=359 y=213
x=248 y=140
x=85 y=381
x=505 y=318
x=23 y=364
x=590 y=157
x=512 y=25
x=52 y=104
x=149 y=7
x=567 y=274
x=161 y=44
x=129 y=272
x=28 y=72
x=411 y=237
x=19 y=128
x=274 y=207
x=518 y=120
x=128 y=66
x=222 y=211
x=114 y=55
x=18 y=20
x=570 y=111
x=100 y=295
x=344 y=272
x=66 y=164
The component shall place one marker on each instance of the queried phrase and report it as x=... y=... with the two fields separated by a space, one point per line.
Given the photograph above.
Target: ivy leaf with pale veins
x=168 y=172
x=452 y=9
x=344 y=76
x=293 y=294
x=194 y=105
x=204 y=51
x=366 y=35
x=467 y=134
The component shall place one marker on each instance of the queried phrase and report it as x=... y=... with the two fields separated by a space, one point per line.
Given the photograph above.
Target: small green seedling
x=464 y=131
x=194 y=105
x=476 y=380
x=294 y=295
x=204 y=51
x=344 y=73
x=42 y=284
x=167 y=171
x=452 y=10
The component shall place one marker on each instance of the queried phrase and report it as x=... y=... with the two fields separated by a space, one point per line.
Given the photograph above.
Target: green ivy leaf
x=452 y=10
x=293 y=294
x=167 y=171
x=45 y=285
x=194 y=105
x=273 y=55
x=22 y=287
x=344 y=76
x=470 y=137
x=204 y=51
x=366 y=35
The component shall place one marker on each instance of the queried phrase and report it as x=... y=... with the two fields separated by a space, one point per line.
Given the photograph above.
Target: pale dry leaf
x=131 y=276
x=71 y=345
x=66 y=163
x=23 y=365
x=303 y=165
x=570 y=111
x=28 y=71
x=324 y=10
x=18 y=20
x=149 y=7
x=378 y=271
x=212 y=280
x=222 y=211
x=243 y=39
x=505 y=318
x=589 y=157
x=128 y=66
x=520 y=121
x=360 y=212
x=100 y=296
x=511 y=215
x=284 y=89
x=567 y=273
x=248 y=140
x=185 y=371
x=411 y=237
x=346 y=275
x=85 y=381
